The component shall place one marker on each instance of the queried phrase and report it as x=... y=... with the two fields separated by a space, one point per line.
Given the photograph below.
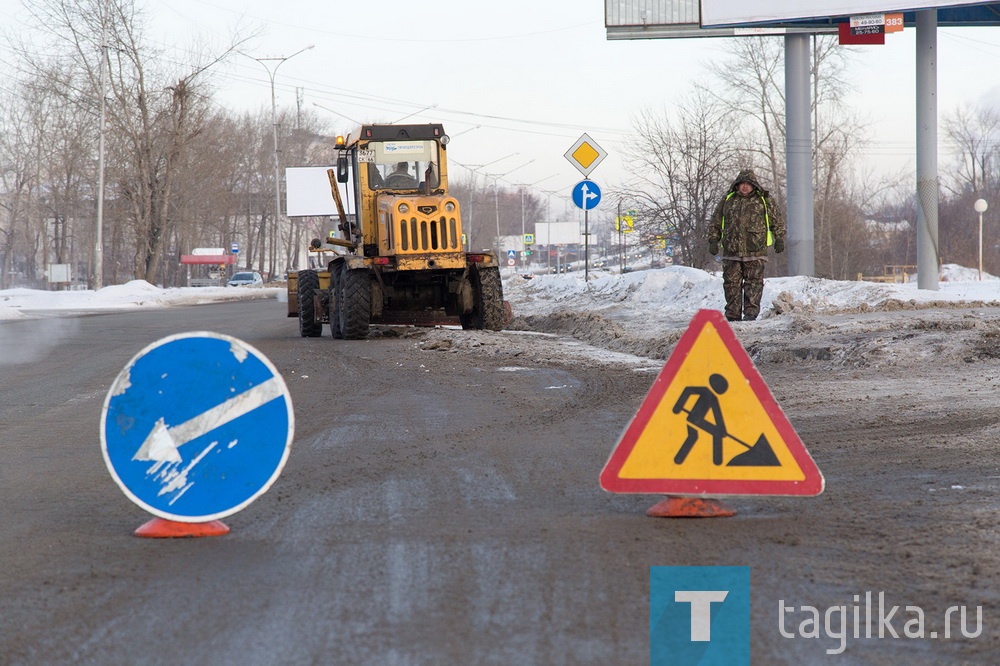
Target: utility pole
x=271 y=72
x=99 y=231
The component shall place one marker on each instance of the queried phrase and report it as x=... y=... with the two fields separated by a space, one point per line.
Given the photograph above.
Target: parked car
x=246 y=279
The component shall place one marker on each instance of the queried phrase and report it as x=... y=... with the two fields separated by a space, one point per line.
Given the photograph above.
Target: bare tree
x=975 y=138
x=679 y=169
x=752 y=77
x=153 y=115
x=19 y=139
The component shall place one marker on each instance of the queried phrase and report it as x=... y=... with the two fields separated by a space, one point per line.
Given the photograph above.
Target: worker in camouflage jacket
x=744 y=225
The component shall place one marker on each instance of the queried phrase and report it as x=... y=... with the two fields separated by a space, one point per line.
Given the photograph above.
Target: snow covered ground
x=636 y=318
x=853 y=323
x=672 y=293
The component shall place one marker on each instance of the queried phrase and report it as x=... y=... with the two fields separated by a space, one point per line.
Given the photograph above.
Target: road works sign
x=196 y=427
x=709 y=426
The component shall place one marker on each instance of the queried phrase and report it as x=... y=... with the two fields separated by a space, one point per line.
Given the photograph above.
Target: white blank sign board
x=308 y=192
x=735 y=12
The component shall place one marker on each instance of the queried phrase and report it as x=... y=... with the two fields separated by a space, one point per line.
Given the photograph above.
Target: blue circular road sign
x=586 y=195
x=196 y=427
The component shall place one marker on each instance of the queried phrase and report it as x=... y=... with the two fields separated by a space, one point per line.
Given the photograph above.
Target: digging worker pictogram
x=706 y=415
x=707 y=401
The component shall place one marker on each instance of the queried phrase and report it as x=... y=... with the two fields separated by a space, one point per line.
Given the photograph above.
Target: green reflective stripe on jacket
x=767 y=220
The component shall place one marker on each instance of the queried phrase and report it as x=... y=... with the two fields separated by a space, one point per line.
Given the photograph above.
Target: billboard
x=739 y=12
x=308 y=192
x=681 y=19
x=558 y=233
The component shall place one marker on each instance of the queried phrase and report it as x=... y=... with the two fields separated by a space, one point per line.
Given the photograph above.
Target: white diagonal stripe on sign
x=228 y=411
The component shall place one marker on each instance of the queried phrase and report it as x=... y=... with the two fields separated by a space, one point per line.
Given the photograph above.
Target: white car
x=246 y=279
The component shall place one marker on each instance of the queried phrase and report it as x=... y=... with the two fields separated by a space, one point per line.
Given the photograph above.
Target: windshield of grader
x=401 y=165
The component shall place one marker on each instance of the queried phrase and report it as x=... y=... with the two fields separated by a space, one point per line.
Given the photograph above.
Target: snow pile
x=20 y=303
x=664 y=295
x=677 y=291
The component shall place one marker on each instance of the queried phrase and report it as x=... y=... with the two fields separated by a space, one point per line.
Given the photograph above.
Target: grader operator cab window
x=402 y=165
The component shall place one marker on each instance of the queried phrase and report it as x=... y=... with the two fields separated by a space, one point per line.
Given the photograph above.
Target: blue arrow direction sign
x=196 y=427
x=586 y=195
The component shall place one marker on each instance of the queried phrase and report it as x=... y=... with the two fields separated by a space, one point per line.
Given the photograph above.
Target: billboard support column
x=927 y=167
x=798 y=157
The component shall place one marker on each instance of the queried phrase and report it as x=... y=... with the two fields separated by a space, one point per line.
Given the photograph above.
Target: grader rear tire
x=309 y=325
x=488 y=312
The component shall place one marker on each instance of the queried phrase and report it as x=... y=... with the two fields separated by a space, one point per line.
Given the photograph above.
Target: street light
x=271 y=71
x=980 y=207
x=548 y=214
x=99 y=231
x=474 y=168
x=523 y=186
x=496 y=195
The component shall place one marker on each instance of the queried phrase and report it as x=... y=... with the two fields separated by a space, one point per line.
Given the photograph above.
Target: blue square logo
x=699 y=616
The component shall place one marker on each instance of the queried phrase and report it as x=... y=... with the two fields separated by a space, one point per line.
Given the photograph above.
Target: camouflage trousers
x=743 y=283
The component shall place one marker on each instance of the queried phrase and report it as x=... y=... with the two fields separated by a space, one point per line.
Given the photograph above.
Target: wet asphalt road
x=443 y=508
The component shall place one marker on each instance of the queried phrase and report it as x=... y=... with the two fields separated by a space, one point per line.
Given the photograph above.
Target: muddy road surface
x=441 y=505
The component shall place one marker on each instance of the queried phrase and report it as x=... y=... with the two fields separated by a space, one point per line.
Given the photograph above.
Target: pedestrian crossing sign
x=710 y=426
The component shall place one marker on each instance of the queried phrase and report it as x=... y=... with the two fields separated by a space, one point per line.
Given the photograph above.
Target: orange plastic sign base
x=690 y=507
x=159 y=528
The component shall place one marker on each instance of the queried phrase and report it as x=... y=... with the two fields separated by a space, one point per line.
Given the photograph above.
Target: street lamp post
x=980 y=207
x=99 y=231
x=523 y=186
x=548 y=243
x=496 y=197
x=271 y=72
x=474 y=168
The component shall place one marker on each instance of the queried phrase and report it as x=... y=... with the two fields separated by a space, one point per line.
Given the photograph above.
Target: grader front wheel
x=355 y=303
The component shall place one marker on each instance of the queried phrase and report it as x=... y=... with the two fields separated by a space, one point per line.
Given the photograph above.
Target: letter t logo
x=685 y=603
x=701 y=610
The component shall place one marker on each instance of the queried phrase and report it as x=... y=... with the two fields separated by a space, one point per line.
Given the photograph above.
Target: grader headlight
x=404 y=208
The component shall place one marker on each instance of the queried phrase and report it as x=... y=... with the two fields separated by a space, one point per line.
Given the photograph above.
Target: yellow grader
x=398 y=254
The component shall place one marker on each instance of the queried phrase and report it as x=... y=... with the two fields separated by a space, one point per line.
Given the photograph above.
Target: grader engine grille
x=425 y=234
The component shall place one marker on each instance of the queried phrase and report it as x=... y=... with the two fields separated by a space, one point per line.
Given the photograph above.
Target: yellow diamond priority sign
x=585 y=155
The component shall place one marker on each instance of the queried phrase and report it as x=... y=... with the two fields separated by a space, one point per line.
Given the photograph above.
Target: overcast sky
x=520 y=76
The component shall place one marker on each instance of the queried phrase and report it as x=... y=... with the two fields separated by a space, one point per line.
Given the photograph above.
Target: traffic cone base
x=690 y=507
x=160 y=528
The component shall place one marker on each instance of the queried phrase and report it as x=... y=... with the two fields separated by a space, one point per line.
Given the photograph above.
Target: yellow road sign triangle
x=710 y=426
